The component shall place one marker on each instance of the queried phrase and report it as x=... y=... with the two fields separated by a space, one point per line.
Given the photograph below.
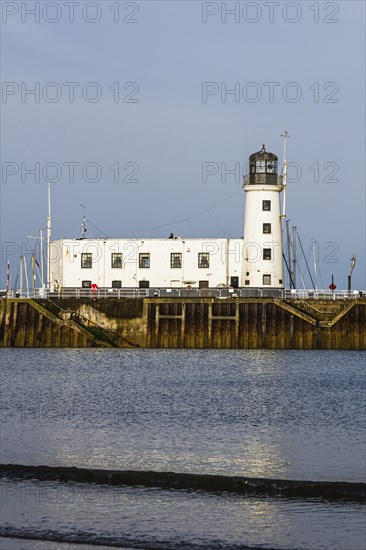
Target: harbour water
x=293 y=415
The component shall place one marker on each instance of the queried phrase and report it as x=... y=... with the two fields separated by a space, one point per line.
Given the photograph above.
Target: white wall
x=254 y=265
x=225 y=262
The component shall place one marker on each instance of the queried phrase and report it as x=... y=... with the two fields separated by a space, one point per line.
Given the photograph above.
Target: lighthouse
x=262 y=265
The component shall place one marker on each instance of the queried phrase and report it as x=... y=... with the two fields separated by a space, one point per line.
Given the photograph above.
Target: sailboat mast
x=49 y=239
x=21 y=276
x=33 y=273
x=315 y=267
x=26 y=275
x=289 y=252
x=294 y=255
x=41 y=256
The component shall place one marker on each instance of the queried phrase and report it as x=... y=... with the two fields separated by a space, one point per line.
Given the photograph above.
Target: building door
x=203 y=284
x=234 y=282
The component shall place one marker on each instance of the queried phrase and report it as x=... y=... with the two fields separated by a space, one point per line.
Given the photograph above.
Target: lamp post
x=353 y=263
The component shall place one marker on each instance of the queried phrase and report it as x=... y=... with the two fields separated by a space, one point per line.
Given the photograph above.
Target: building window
x=86 y=260
x=267 y=228
x=261 y=166
x=280 y=281
x=144 y=284
x=116 y=284
x=86 y=284
x=144 y=260
x=116 y=260
x=266 y=279
x=203 y=284
x=175 y=260
x=203 y=260
x=247 y=283
x=267 y=254
x=266 y=205
x=272 y=167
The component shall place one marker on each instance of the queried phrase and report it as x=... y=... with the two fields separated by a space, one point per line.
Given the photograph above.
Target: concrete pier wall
x=235 y=323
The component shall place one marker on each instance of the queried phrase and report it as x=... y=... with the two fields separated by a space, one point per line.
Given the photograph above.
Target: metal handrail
x=325 y=294
x=222 y=293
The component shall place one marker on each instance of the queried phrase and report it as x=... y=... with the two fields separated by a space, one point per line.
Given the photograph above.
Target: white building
x=254 y=261
x=262 y=252
x=118 y=263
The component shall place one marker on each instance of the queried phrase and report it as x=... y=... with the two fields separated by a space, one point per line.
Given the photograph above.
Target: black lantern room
x=263 y=168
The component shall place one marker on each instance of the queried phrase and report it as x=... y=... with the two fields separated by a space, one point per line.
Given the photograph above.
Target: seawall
x=231 y=323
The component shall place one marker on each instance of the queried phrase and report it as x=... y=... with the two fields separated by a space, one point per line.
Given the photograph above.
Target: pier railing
x=106 y=293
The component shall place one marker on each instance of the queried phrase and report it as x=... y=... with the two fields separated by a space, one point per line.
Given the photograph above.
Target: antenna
x=285 y=135
x=83 y=223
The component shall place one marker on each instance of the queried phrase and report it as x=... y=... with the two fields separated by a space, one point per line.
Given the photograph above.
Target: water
x=275 y=414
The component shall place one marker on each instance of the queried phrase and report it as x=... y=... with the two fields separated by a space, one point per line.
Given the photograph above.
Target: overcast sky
x=153 y=123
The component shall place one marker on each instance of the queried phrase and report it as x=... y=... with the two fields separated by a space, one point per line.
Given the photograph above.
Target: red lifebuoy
x=189 y=287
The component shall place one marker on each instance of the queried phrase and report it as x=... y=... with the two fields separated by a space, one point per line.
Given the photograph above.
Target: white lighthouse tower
x=262 y=265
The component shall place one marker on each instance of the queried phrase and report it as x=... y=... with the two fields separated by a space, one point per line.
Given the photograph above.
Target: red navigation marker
x=332 y=286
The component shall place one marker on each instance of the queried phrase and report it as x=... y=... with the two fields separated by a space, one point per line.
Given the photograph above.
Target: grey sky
x=170 y=132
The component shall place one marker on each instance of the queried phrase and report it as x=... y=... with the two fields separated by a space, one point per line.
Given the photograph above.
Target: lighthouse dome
x=263 y=167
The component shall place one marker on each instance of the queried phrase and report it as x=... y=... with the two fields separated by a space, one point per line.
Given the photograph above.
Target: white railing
x=76 y=293
x=325 y=294
x=106 y=293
